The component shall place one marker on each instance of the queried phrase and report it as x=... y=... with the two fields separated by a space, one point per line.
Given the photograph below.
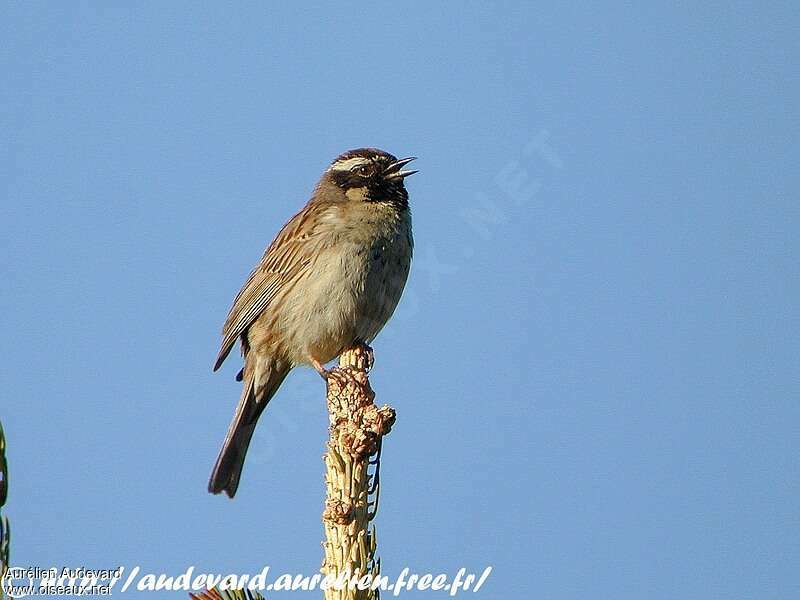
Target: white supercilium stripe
x=349 y=163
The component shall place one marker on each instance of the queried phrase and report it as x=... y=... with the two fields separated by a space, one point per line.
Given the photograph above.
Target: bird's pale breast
x=349 y=290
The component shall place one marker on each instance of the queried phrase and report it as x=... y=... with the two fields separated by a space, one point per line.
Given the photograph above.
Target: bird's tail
x=228 y=468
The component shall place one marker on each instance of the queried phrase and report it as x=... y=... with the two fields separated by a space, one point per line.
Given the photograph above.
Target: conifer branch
x=357 y=427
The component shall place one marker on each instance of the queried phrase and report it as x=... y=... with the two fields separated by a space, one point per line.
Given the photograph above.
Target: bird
x=330 y=280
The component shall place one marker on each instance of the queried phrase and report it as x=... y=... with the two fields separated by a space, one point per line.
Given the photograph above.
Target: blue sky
x=595 y=361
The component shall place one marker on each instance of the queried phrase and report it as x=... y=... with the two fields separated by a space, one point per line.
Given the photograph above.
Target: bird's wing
x=286 y=257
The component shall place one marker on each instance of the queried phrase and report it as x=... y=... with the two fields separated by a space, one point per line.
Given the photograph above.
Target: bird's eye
x=363 y=171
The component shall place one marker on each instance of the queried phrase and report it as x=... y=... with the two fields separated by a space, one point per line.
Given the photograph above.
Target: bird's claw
x=370 y=357
x=338 y=375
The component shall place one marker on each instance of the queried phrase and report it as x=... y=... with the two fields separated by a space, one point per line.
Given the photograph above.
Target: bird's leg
x=323 y=372
x=319 y=368
x=327 y=374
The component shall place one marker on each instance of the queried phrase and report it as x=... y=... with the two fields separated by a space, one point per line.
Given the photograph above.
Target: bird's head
x=370 y=175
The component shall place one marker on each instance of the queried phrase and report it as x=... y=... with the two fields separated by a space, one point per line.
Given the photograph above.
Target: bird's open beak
x=395 y=170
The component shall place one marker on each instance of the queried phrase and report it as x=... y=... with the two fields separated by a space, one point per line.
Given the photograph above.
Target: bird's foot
x=340 y=376
x=358 y=356
x=370 y=356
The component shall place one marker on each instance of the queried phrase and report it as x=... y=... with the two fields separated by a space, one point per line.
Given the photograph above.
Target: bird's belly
x=348 y=296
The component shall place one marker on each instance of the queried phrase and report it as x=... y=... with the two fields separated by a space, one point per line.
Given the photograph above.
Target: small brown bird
x=330 y=279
